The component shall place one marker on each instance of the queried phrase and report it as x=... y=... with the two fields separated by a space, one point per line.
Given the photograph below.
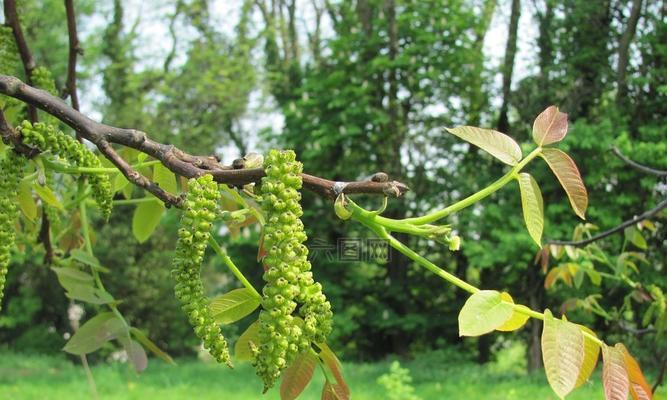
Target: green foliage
x=196 y=223
x=397 y=383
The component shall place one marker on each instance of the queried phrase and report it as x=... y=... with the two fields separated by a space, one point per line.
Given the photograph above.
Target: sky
x=154 y=43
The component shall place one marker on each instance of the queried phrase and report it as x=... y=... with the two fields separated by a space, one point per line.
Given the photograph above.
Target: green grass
x=41 y=377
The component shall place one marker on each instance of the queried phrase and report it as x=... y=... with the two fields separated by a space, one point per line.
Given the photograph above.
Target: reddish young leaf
x=334 y=391
x=639 y=388
x=298 y=375
x=499 y=145
x=550 y=126
x=331 y=362
x=614 y=374
x=562 y=353
x=569 y=177
x=135 y=353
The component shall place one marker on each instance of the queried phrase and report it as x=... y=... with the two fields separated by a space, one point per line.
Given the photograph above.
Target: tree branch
x=12 y=21
x=581 y=243
x=74 y=51
x=636 y=165
x=176 y=160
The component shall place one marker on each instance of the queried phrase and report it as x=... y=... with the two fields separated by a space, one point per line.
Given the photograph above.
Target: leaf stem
x=89 y=249
x=67 y=169
x=474 y=198
x=147 y=199
x=232 y=267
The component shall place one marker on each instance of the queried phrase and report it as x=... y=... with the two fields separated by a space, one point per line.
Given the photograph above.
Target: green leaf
x=517 y=320
x=47 y=195
x=533 y=208
x=483 y=312
x=298 y=375
x=165 y=178
x=70 y=277
x=94 y=333
x=26 y=201
x=499 y=145
x=639 y=388
x=634 y=236
x=569 y=177
x=120 y=182
x=550 y=126
x=591 y=353
x=146 y=218
x=250 y=337
x=152 y=347
x=614 y=375
x=85 y=258
x=562 y=353
x=232 y=306
x=88 y=293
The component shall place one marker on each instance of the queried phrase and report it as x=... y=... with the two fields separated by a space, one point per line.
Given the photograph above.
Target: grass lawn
x=41 y=377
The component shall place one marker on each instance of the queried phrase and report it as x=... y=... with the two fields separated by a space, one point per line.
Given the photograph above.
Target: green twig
x=232 y=267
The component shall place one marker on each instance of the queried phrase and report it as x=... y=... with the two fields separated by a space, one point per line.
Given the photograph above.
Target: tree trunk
x=508 y=66
x=624 y=51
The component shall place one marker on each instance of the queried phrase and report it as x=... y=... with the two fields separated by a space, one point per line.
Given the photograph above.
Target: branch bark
x=176 y=160
x=12 y=21
x=646 y=215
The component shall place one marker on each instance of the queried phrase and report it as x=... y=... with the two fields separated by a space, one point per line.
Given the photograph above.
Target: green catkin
x=42 y=79
x=47 y=138
x=9 y=59
x=11 y=168
x=289 y=281
x=196 y=222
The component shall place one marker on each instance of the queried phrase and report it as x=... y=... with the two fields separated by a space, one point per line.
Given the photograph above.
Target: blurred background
x=356 y=87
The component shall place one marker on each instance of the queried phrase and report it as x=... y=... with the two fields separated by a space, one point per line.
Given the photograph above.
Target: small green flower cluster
x=47 y=138
x=11 y=168
x=200 y=212
x=42 y=79
x=9 y=59
x=288 y=278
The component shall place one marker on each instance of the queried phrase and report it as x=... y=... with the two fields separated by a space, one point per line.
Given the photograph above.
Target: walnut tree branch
x=12 y=21
x=636 y=165
x=646 y=215
x=176 y=160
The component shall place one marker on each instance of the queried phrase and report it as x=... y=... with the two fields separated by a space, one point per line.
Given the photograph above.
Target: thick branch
x=637 y=165
x=581 y=243
x=176 y=160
